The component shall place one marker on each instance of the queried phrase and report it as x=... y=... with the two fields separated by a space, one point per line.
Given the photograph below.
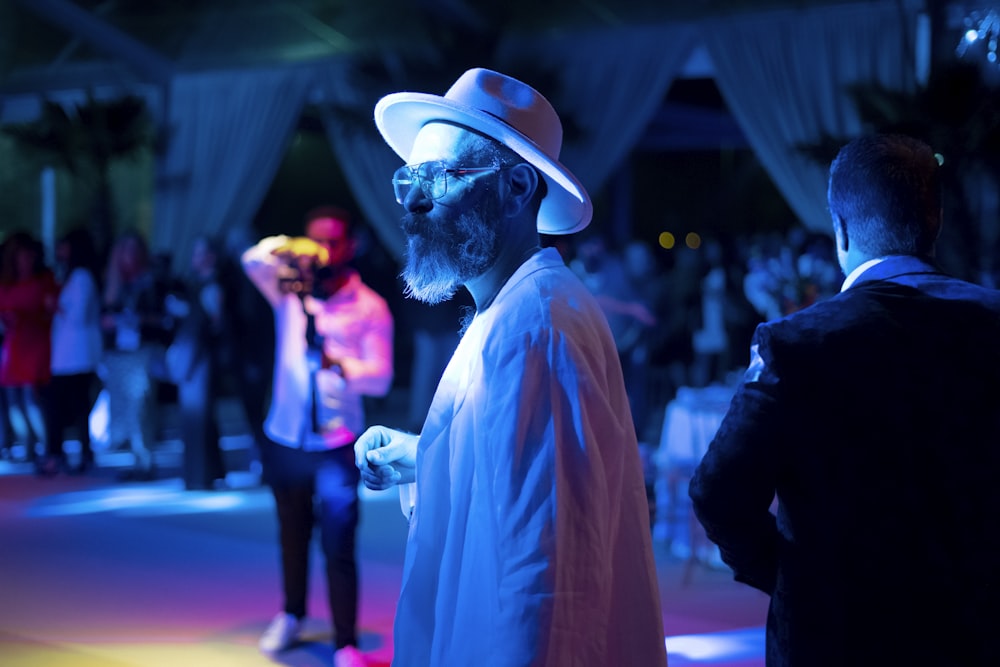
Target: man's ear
x=522 y=183
x=840 y=233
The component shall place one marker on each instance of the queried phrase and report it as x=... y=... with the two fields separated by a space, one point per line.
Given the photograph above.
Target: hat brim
x=566 y=207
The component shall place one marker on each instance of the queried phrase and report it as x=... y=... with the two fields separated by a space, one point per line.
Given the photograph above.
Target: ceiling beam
x=103 y=37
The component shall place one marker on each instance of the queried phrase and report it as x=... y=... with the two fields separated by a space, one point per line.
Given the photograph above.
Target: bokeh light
x=667 y=240
x=692 y=240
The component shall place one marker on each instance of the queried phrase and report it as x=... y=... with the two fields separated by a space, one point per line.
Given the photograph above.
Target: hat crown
x=515 y=103
x=512 y=113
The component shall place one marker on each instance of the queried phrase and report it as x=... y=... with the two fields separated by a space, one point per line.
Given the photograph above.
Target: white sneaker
x=349 y=656
x=281 y=634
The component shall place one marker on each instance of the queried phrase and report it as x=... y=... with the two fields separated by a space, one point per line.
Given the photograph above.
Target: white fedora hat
x=513 y=113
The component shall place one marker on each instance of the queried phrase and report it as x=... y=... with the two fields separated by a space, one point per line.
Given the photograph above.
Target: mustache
x=412 y=223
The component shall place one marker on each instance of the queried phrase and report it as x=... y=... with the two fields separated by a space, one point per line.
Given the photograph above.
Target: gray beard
x=437 y=264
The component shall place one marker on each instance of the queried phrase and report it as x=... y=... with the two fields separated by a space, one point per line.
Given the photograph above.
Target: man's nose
x=416 y=201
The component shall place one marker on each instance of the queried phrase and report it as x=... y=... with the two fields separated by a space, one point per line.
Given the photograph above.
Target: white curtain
x=609 y=84
x=606 y=85
x=365 y=159
x=784 y=76
x=227 y=133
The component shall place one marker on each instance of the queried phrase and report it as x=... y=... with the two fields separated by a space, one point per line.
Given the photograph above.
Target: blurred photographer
x=333 y=345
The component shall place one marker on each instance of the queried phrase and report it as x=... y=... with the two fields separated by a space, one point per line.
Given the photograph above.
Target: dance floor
x=98 y=572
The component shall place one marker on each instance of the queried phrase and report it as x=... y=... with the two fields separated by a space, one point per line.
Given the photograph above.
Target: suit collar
x=895 y=266
x=853 y=276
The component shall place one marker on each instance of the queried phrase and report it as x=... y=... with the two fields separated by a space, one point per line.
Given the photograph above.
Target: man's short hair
x=489 y=151
x=335 y=212
x=887 y=189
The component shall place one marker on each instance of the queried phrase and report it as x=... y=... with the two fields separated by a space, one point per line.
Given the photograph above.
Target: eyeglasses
x=432 y=178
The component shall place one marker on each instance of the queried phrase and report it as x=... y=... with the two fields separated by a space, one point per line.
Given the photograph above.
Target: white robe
x=529 y=542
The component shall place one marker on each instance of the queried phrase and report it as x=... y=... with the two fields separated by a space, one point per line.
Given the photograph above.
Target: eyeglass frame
x=425 y=184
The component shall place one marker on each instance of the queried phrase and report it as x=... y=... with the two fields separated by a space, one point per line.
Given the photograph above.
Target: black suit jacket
x=874 y=417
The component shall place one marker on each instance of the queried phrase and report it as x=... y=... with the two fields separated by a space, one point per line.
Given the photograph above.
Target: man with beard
x=529 y=538
x=333 y=345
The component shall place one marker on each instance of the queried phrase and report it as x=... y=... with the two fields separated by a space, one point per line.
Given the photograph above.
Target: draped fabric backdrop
x=782 y=73
x=228 y=132
x=365 y=159
x=784 y=76
x=610 y=84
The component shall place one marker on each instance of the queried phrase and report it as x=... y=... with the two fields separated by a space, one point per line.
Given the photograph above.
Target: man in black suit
x=874 y=418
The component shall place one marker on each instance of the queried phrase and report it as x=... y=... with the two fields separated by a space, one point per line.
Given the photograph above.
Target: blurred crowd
x=127 y=333
x=132 y=333
x=685 y=316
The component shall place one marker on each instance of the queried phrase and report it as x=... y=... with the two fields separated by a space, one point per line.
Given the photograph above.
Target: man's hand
x=386 y=457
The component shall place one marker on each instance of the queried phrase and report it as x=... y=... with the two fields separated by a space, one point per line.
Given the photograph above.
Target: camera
x=303 y=267
x=296 y=275
x=303 y=275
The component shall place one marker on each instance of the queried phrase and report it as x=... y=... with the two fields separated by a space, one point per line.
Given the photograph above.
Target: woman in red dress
x=28 y=294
